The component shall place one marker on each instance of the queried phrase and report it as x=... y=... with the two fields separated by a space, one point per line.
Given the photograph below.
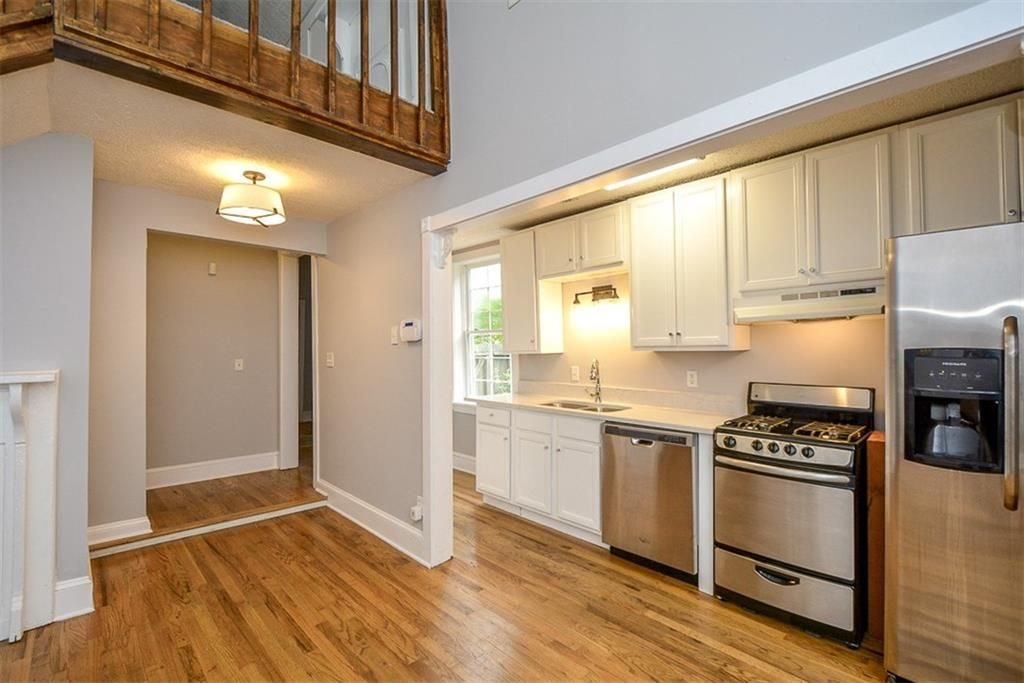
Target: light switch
x=212 y=269
x=691 y=379
x=574 y=373
x=394 y=335
x=239 y=365
x=330 y=359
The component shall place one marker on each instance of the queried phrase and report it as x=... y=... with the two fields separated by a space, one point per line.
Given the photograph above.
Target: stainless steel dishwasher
x=648 y=498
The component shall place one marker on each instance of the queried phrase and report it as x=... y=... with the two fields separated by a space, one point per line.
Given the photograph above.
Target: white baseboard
x=399 y=534
x=101 y=533
x=159 y=477
x=72 y=598
x=463 y=462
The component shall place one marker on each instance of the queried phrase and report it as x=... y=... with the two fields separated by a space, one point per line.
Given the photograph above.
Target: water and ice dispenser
x=954 y=408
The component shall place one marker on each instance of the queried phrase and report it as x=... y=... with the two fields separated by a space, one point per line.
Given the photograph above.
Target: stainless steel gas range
x=790 y=506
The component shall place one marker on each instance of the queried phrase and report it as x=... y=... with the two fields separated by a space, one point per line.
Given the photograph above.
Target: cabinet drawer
x=535 y=422
x=810 y=597
x=579 y=428
x=493 y=416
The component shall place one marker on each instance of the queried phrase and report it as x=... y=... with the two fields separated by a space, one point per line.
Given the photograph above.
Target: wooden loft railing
x=26 y=34
x=370 y=75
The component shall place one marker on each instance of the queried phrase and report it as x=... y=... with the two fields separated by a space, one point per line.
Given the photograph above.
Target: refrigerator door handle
x=1011 y=419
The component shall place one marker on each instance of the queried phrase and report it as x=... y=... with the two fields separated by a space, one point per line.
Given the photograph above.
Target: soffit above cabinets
x=994 y=81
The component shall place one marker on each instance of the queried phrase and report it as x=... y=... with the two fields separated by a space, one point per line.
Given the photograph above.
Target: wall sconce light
x=252 y=204
x=599 y=293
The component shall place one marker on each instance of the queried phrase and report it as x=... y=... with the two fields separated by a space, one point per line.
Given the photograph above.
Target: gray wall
x=464 y=434
x=45 y=235
x=533 y=88
x=198 y=407
x=122 y=219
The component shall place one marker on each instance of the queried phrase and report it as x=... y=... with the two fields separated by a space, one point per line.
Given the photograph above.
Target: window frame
x=465 y=389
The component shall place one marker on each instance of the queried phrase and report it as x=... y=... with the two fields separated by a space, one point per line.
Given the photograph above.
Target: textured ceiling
x=148 y=137
x=988 y=83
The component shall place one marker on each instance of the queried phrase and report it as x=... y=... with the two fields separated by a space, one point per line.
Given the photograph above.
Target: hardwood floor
x=313 y=596
x=176 y=508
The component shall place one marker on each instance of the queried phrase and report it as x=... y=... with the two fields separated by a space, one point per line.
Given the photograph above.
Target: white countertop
x=647 y=416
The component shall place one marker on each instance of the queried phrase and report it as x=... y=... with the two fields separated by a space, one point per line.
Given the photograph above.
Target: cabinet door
x=493 y=464
x=519 y=293
x=768 y=219
x=556 y=248
x=531 y=463
x=702 y=290
x=602 y=234
x=964 y=170
x=848 y=210
x=652 y=272
x=578 y=483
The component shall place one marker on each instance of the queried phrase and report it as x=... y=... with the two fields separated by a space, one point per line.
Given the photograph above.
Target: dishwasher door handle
x=645 y=443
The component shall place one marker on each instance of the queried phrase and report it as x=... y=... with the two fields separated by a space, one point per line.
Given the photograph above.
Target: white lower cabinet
x=578 y=482
x=493 y=460
x=545 y=465
x=531 y=470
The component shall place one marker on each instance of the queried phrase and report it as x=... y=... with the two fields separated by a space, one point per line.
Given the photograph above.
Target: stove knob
x=807 y=452
x=729 y=441
x=773 y=447
x=790 y=449
x=756 y=444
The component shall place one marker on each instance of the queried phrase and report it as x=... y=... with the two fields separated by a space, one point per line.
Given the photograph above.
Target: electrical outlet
x=574 y=373
x=691 y=379
x=330 y=359
x=416 y=511
x=239 y=365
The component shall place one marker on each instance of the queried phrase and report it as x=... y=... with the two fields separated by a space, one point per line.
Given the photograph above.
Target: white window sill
x=464 y=407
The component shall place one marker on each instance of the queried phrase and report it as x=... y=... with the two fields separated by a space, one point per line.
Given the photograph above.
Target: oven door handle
x=788 y=473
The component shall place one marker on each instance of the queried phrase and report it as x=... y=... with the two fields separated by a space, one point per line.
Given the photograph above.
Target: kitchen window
x=488 y=369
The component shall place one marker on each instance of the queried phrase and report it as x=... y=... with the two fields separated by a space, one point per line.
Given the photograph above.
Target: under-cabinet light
x=651 y=174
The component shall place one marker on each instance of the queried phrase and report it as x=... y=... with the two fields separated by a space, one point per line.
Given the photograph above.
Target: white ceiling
x=145 y=136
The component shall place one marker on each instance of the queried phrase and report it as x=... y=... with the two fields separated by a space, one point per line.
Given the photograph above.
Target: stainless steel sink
x=585 y=407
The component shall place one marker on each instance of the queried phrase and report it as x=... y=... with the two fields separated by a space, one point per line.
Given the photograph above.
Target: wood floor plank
x=312 y=596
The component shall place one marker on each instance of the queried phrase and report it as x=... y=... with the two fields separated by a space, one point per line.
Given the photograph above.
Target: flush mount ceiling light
x=599 y=293
x=651 y=174
x=251 y=204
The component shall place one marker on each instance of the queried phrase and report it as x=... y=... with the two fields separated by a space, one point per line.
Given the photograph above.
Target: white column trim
x=288 y=360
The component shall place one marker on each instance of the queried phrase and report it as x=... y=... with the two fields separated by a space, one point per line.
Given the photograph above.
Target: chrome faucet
x=595 y=377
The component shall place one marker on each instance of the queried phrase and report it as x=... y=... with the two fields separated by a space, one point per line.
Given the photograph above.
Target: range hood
x=816 y=303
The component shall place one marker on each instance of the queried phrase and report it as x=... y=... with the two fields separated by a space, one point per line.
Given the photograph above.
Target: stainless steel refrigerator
x=955 y=524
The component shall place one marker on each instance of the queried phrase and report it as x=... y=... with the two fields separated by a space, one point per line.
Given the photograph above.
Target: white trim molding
x=72 y=598
x=173 y=475
x=400 y=535
x=102 y=533
x=288 y=360
x=463 y=462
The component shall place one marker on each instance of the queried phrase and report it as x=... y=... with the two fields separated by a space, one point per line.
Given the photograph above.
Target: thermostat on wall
x=410 y=330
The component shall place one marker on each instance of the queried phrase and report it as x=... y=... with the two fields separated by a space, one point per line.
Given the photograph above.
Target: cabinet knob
x=547 y=448
x=802 y=271
x=813 y=269
x=1013 y=212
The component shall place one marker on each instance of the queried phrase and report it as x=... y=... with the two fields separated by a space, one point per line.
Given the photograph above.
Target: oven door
x=802 y=518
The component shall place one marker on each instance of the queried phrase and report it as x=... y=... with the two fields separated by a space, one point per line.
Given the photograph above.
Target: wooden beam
x=332 y=56
x=207 y=32
x=11 y=20
x=433 y=6
x=254 y=41
x=153 y=26
x=364 y=59
x=421 y=71
x=296 y=56
x=100 y=13
x=395 y=67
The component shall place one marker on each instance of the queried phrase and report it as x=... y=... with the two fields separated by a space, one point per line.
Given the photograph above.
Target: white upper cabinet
x=601 y=237
x=848 y=210
x=963 y=169
x=531 y=309
x=519 y=293
x=679 y=285
x=557 y=248
x=652 y=275
x=767 y=217
x=589 y=241
x=702 y=291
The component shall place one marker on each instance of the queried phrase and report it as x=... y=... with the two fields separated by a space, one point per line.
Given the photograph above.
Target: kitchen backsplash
x=839 y=352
